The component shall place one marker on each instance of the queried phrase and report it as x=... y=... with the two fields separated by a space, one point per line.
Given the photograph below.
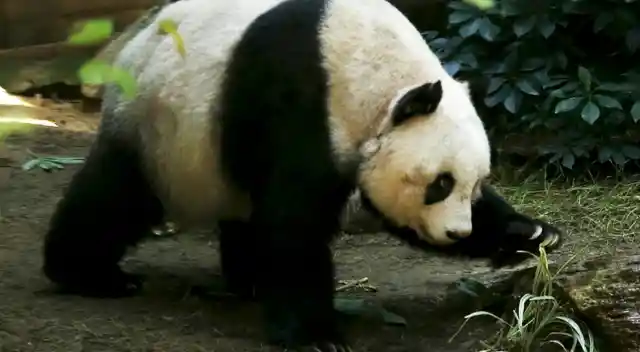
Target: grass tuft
x=597 y=216
x=538 y=320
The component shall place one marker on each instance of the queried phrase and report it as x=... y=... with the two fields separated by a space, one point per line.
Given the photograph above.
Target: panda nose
x=457 y=235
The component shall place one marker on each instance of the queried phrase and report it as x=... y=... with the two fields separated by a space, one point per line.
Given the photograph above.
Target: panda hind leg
x=107 y=207
x=238 y=257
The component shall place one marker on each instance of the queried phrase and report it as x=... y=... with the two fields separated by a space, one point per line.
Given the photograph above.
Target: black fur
x=499 y=232
x=107 y=207
x=275 y=146
x=238 y=257
x=422 y=100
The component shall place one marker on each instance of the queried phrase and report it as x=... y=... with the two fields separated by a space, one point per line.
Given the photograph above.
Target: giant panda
x=280 y=110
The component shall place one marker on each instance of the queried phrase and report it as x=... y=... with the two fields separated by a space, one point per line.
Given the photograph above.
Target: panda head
x=426 y=170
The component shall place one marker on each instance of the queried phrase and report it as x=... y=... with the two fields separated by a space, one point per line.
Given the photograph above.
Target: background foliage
x=564 y=73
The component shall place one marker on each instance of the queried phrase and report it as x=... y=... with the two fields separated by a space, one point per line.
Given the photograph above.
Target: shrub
x=561 y=76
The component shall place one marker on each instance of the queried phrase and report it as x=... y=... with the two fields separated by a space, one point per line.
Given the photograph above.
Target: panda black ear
x=422 y=100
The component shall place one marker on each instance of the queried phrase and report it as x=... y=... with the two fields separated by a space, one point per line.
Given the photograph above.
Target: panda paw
x=525 y=234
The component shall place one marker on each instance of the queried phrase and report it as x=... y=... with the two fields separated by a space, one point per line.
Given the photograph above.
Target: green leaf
x=94 y=72
x=91 y=31
x=512 y=103
x=47 y=163
x=99 y=72
x=468 y=59
x=526 y=87
x=633 y=39
x=170 y=27
x=494 y=84
x=511 y=61
x=618 y=158
x=616 y=118
x=523 y=25
x=481 y=4
x=562 y=60
x=631 y=151
x=602 y=21
x=350 y=306
x=546 y=27
x=496 y=68
x=30 y=164
x=470 y=287
x=359 y=307
x=498 y=97
x=579 y=151
x=460 y=17
x=44 y=166
x=430 y=35
x=391 y=318
x=533 y=64
x=459 y=5
x=590 y=113
x=470 y=28
x=555 y=157
x=568 y=104
x=604 y=154
x=585 y=77
x=568 y=160
x=55 y=165
x=635 y=111
x=570 y=88
x=488 y=31
x=607 y=101
x=14 y=127
x=616 y=87
x=510 y=8
x=452 y=67
x=124 y=80
x=541 y=75
x=554 y=82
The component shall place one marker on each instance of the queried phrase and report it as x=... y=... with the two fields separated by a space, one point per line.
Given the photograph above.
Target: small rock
x=607 y=291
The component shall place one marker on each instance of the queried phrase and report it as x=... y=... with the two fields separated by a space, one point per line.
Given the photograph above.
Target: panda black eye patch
x=439 y=189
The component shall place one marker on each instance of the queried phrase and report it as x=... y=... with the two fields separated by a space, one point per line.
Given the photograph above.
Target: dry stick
x=346 y=284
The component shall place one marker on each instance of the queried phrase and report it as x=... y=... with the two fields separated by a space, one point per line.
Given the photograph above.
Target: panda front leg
x=107 y=207
x=296 y=219
x=499 y=231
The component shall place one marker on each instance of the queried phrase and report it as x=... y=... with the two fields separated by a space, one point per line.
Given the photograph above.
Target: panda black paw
x=525 y=234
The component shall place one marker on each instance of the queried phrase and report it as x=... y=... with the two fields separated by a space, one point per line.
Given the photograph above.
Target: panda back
x=172 y=113
x=262 y=82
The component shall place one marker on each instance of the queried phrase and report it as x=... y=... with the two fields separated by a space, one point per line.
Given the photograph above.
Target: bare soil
x=169 y=315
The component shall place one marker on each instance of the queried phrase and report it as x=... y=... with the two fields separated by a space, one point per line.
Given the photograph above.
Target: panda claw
x=537 y=233
x=551 y=241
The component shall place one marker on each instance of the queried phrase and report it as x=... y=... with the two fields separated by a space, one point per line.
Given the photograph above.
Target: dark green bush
x=561 y=77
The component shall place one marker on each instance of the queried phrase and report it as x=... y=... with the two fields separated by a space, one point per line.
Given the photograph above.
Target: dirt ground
x=169 y=315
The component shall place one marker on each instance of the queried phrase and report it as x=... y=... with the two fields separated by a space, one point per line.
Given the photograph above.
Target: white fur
x=372 y=54
x=374 y=58
x=173 y=114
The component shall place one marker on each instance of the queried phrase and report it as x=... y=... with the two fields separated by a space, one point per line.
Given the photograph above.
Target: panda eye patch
x=439 y=189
